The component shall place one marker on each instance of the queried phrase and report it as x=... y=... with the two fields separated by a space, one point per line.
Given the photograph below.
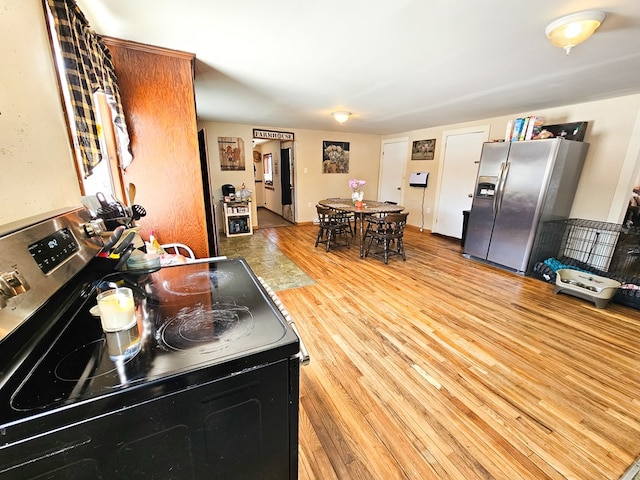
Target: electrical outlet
x=428 y=209
x=309 y=204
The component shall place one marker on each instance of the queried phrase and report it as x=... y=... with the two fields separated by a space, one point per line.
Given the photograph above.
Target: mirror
x=267 y=161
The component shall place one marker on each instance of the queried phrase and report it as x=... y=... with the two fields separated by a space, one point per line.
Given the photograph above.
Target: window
x=267 y=160
x=90 y=97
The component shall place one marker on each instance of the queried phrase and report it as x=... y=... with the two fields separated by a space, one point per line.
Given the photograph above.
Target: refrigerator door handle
x=503 y=179
x=496 y=192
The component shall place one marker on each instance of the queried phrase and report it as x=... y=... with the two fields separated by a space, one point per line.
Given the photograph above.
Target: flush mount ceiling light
x=570 y=30
x=341 y=117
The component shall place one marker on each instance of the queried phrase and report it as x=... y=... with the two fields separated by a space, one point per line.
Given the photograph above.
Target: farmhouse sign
x=272 y=135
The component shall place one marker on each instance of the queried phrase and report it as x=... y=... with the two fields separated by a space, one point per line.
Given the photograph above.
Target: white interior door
x=394 y=156
x=459 y=171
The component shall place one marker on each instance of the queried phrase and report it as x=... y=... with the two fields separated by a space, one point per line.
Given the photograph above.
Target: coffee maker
x=229 y=190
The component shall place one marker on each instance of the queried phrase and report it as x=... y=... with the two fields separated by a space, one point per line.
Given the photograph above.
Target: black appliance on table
x=209 y=388
x=228 y=190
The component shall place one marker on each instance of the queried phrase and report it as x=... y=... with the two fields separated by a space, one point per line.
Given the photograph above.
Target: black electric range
x=205 y=385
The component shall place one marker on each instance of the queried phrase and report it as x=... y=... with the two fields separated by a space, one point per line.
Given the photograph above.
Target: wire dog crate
x=607 y=247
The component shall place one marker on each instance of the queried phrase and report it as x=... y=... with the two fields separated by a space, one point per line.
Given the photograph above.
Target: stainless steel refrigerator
x=519 y=186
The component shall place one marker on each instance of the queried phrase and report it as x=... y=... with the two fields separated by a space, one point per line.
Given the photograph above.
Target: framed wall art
x=231 y=151
x=335 y=157
x=423 y=149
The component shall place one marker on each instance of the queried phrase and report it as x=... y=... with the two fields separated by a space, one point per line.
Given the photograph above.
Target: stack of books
x=525 y=128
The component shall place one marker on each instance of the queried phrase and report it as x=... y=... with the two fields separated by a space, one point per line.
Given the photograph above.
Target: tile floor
x=266 y=260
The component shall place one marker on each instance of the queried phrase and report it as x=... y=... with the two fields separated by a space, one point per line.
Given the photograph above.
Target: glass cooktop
x=210 y=318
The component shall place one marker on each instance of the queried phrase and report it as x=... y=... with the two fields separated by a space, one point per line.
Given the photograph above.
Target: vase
x=358 y=204
x=357 y=196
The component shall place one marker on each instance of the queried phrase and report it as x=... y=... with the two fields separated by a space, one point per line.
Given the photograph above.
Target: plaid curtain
x=88 y=69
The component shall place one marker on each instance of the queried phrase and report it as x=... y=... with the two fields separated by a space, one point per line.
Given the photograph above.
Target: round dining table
x=369 y=207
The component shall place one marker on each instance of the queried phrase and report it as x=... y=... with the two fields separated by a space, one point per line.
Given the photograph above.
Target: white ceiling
x=396 y=65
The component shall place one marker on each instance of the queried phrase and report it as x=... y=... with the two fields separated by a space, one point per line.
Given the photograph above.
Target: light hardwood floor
x=444 y=368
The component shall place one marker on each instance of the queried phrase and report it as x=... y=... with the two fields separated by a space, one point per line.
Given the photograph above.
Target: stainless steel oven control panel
x=37 y=257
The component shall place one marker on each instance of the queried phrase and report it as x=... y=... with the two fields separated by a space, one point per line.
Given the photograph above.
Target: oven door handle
x=303 y=353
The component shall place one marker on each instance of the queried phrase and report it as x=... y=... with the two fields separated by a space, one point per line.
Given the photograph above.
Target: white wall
x=311 y=184
x=236 y=177
x=36 y=164
x=607 y=177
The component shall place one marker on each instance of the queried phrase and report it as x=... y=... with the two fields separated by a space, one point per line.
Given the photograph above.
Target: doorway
x=274 y=180
x=459 y=170
x=394 y=156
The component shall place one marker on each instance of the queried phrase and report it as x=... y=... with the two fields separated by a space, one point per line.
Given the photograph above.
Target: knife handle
x=124 y=257
x=124 y=244
x=115 y=236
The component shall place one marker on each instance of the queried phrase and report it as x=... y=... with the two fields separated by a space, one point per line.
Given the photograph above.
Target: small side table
x=237 y=218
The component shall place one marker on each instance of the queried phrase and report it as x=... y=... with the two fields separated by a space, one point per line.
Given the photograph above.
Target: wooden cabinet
x=158 y=98
x=237 y=218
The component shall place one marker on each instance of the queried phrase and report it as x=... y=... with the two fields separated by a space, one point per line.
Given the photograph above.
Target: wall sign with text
x=272 y=134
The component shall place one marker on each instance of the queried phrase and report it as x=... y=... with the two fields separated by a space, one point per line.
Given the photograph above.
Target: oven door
x=219 y=409
x=239 y=427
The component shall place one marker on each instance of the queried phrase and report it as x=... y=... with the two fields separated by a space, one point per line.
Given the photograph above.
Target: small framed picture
x=231 y=151
x=423 y=149
x=335 y=157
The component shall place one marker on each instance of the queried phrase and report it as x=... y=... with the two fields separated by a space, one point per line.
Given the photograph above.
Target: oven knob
x=94 y=228
x=5 y=293
x=12 y=284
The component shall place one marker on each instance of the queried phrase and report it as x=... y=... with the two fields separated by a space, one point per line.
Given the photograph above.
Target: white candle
x=117 y=309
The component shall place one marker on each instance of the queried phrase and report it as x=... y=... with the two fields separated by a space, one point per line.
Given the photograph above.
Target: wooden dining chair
x=179 y=249
x=387 y=232
x=347 y=218
x=331 y=225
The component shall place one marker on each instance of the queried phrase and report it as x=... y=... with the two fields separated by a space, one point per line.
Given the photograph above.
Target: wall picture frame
x=423 y=149
x=335 y=157
x=231 y=150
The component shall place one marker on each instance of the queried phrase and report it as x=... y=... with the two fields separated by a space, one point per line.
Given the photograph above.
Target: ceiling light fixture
x=341 y=117
x=570 y=30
